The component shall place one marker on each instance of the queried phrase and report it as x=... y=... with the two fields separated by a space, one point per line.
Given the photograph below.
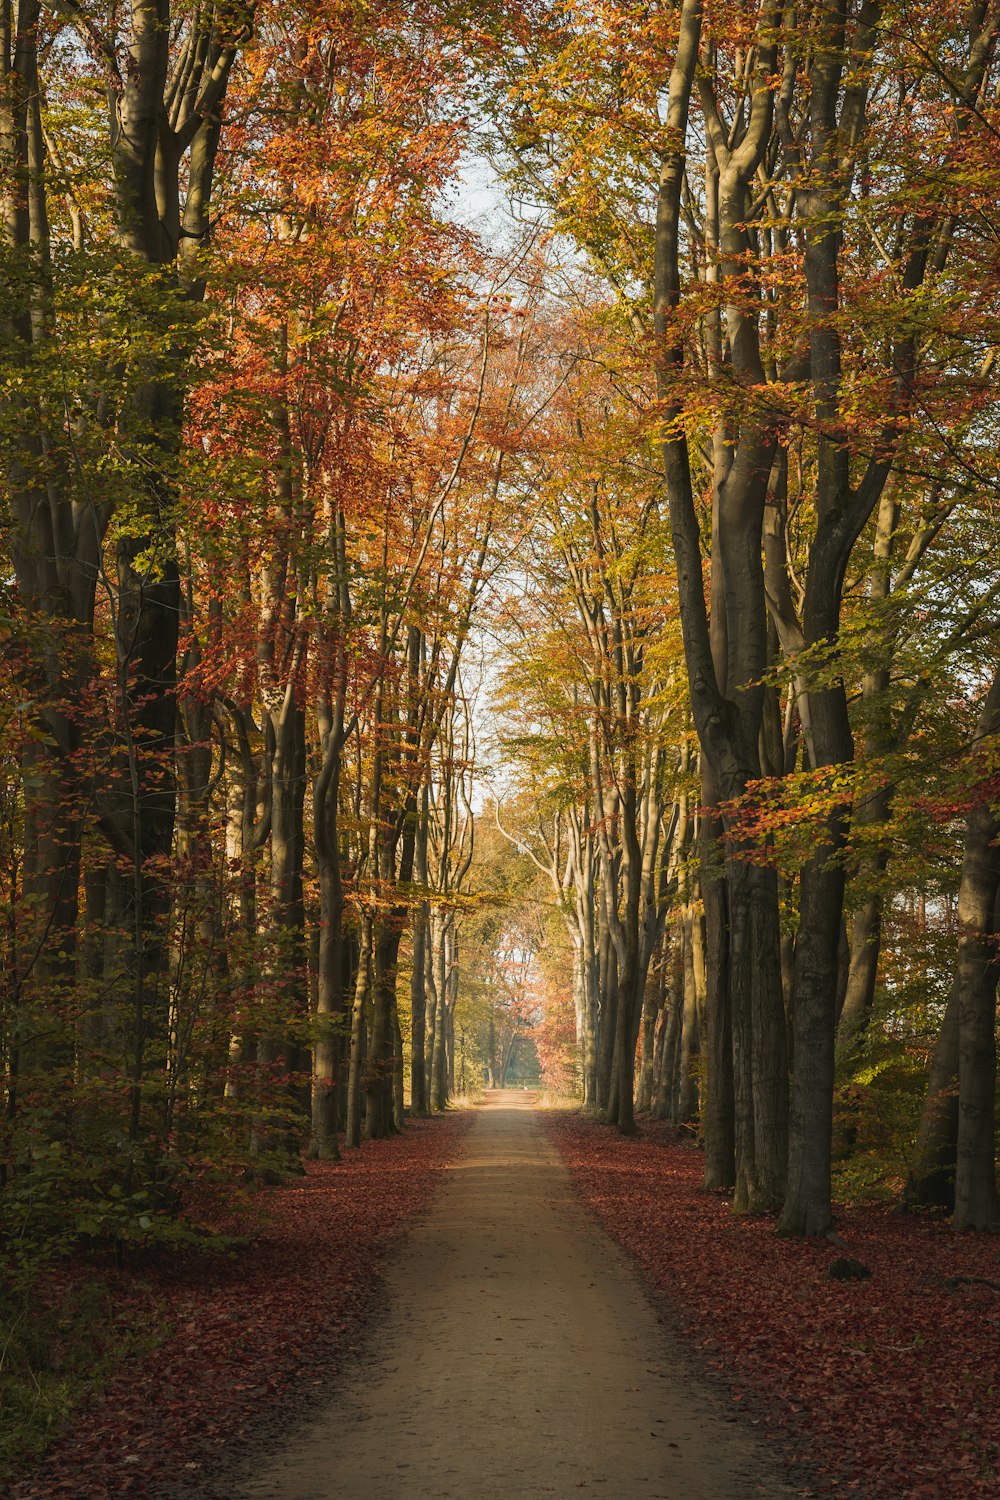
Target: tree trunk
x=379 y=1071
x=608 y=1010
x=672 y=1037
x=687 y=1104
x=451 y=993
x=398 y=1104
x=977 y=1205
x=659 y=1104
x=719 y=1106
x=760 y=1081
x=650 y=1011
x=807 y=1209
x=491 y=1056
x=286 y=1008
x=330 y=1018
x=439 y=1069
x=431 y=996
x=931 y=1180
x=591 y=1002
x=866 y=945
x=359 y=1033
x=418 y=989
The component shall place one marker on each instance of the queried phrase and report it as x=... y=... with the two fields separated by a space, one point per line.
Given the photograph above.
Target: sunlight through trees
x=552 y=618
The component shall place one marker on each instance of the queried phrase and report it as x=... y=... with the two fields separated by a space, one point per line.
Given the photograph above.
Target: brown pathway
x=519 y=1357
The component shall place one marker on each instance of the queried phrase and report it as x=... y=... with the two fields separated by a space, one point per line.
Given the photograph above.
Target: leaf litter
x=252 y=1337
x=885 y=1388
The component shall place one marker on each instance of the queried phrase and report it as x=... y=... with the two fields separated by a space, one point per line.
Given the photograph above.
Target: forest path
x=518 y=1357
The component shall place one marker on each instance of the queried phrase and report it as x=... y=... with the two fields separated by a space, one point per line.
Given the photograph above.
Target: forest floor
x=243 y=1343
x=509 y=1348
x=518 y=1356
x=887 y=1388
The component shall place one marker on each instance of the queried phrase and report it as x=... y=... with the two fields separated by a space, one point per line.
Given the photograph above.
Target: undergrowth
x=58 y=1343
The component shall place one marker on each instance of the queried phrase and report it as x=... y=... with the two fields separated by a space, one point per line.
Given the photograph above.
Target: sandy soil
x=518 y=1356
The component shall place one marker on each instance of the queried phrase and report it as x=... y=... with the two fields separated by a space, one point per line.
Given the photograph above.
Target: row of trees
x=791 y=214
x=261 y=393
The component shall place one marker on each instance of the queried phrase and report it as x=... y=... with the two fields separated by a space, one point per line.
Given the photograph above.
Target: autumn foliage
x=444 y=645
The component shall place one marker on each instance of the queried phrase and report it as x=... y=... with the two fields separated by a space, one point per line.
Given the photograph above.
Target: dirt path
x=518 y=1357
